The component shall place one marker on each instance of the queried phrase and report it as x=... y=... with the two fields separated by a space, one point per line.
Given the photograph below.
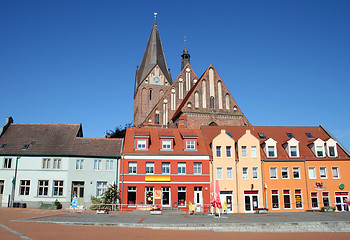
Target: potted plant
x=57 y=204
x=327 y=209
x=156 y=210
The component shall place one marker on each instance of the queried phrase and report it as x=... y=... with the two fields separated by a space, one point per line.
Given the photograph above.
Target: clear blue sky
x=286 y=63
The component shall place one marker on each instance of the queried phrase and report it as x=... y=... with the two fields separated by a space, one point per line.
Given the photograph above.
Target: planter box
x=156 y=212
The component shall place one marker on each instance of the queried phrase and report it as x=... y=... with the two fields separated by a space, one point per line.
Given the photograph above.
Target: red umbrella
x=217 y=194
x=212 y=194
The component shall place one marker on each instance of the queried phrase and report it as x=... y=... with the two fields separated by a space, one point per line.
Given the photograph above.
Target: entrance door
x=78 y=190
x=251 y=201
x=227 y=196
x=340 y=201
x=165 y=196
x=198 y=198
x=1 y=190
x=149 y=196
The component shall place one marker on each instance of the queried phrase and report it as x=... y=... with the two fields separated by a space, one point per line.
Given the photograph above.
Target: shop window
x=314 y=200
x=325 y=199
x=298 y=199
x=131 y=195
x=181 y=196
x=286 y=199
x=275 y=199
x=149 y=195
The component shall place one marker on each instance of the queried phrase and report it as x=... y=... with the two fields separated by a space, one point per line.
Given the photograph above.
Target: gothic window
x=220 y=94
x=211 y=83
x=173 y=99
x=165 y=112
x=156 y=119
x=227 y=101
x=196 y=99
x=150 y=94
x=212 y=102
x=204 y=94
x=188 y=79
x=181 y=88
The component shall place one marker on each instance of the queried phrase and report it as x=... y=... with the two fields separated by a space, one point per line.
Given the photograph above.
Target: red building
x=165 y=167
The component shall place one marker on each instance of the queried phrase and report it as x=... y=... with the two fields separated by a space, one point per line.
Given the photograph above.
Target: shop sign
x=158 y=194
x=341 y=186
x=298 y=199
x=319 y=186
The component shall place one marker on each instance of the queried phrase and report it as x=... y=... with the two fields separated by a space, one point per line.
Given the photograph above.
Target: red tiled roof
x=154 y=148
x=279 y=135
x=55 y=140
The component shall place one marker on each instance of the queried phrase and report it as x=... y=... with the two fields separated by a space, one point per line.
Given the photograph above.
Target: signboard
x=158 y=194
x=319 y=186
x=298 y=199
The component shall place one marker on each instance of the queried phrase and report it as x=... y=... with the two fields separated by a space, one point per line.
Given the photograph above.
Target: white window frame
x=228 y=151
x=229 y=173
x=301 y=198
x=149 y=167
x=197 y=168
x=219 y=173
x=132 y=167
x=97 y=164
x=255 y=173
x=323 y=175
x=218 y=152
x=245 y=173
x=253 y=151
x=285 y=170
x=278 y=199
x=338 y=174
x=79 y=165
x=58 y=188
x=25 y=186
x=244 y=151
x=271 y=151
x=43 y=184
x=275 y=170
x=296 y=151
x=314 y=172
x=290 y=199
x=101 y=188
x=109 y=165
x=141 y=144
x=166 y=168
x=57 y=163
x=46 y=163
x=296 y=169
x=312 y=206
x=166 y=144
x=190 y=145
x=319 y=149
x=7 y=163
x=181 y=168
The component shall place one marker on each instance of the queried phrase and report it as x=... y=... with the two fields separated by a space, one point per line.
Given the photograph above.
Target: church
x=188 y=101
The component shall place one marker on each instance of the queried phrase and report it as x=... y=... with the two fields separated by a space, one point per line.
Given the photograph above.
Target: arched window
x=204 y=94
x=150 y=94
x=173 y=99
x=156 y=119
x=196 y=99
x=220 y=94
x=227 y=101
x=212 y=102
x=181 y=88
x=188 y=79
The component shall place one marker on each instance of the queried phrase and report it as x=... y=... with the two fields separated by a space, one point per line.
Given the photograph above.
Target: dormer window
x=270 y=149
x=141 y=144
x=166 y=145
x=189 y=139
x=319 y=151
x=331 y=148
x=318 y=148
x=292 y=147
x=293 y=151
x=190 y=145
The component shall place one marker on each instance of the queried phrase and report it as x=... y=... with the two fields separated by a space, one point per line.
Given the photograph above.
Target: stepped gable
x=209 y=103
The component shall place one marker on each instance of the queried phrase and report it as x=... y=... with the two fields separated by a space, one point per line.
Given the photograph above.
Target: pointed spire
x=185 y=56
x=153 y=55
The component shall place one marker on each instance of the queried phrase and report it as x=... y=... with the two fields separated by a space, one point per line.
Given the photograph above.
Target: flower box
x=156 y=212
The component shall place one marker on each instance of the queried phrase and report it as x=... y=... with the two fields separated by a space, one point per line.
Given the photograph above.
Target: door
x=149 y=196
x=165 y=196
x=198 y=198
x=341 y=199
x=251 y=201
x=226 y=197
x=1 y=190
x=78 y=190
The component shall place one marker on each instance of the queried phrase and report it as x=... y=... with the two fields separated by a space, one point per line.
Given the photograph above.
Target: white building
x=40 y=163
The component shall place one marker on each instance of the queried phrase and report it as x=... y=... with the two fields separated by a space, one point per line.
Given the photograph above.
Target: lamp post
x=14 y=182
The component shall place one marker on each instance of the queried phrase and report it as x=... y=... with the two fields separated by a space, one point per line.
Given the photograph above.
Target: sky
x=286 y=63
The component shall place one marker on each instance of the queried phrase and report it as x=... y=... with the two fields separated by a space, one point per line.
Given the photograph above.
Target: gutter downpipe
x=307 y=189
x=262 y=183
x=237 y=184
x=14 y=182
x=121 y=207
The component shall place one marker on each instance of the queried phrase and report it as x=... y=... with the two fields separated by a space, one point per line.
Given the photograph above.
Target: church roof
x=154 y=55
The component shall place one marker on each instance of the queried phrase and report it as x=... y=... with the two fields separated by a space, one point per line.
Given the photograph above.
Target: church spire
x=154 y=55
x=185 y=56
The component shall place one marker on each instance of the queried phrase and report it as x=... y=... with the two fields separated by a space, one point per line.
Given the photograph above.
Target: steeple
x=154 y=55
x=185 y=56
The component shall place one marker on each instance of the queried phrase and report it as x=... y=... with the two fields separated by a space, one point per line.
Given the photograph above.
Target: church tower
x=152 y=79
x=185 y=57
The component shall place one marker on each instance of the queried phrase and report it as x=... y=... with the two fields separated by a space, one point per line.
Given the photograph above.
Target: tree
x=119 y=132
x=111 y=195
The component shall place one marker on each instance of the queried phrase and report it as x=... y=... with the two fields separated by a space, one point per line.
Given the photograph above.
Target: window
x=101 y=188
x=197 y=168
x=3 y=145
x=227 y=101
x=312 y=173
x=141 y=144
x=181 y=196
x=335 y=172
x=271 y=151
x=166 y=144
x=275 y=199
x=255 y=172
x=219 y=174
x=190 y=145
x=323 y=172
x=228 y=151
x=2 y=182
x=43 y=188
x=253 y=149
x=298 y=199
x=97 y=164
x=325 y=198
x=314 y=200
x=309 y=135
x=46 y=163
x=181 y=168
x=196 y=99
x=286 y=199
x=244 y=151
x=293 y=151
x=57 y=163
x=245 y=173
x=319 y=151
x=218 y=151
x=290 y=135
x=57 y=188
x=24 y=187
x=132 y=167
x=156 y=121
x=229 y=174
x=331 y=151
x=285 y=173
x=273 y=172
x=131 y=195
x=8 y=163
x=109 y=165
x=149 y=167
x=296 y=172
x=79 y=164
x=261 y=135
x=165 y=168
x=212 y=102
x=149 y=195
